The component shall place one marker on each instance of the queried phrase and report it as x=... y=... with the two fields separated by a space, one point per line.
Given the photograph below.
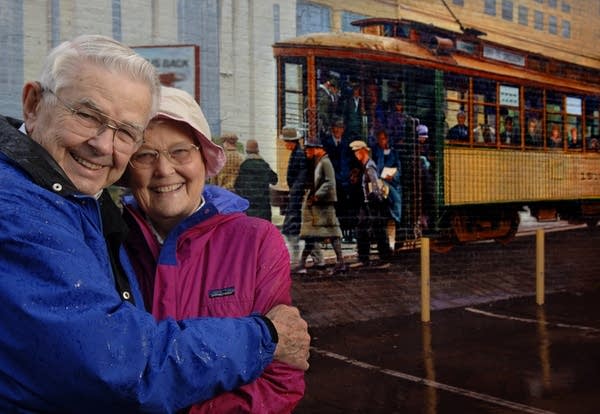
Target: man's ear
x=32 y=96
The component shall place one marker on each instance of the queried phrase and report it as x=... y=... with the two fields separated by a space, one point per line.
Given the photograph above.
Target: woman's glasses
x=177 y=155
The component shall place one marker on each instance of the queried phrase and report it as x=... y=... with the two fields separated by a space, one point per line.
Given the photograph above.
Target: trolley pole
x=425 y=281
x=539 y=266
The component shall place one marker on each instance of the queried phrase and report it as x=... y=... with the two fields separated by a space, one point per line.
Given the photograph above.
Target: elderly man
x=75 y=337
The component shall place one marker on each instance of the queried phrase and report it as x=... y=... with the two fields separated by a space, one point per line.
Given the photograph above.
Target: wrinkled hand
x=294 y=340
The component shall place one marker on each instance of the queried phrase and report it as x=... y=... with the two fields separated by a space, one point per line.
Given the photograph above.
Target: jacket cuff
x=271 y=327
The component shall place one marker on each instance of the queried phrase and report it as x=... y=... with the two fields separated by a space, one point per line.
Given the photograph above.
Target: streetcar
x=481 y=182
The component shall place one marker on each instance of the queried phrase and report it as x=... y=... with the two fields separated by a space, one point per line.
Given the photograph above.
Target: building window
x=552 y=24
x=490 y=7
x=566 y=29
x=348 y=18
x=566 y=7
x=312 y=18
x=459 y=2
x=116 y=20
x=507 y=10
x=523 y=15
x=538 y=20
x=552 y=3
x=276 y=23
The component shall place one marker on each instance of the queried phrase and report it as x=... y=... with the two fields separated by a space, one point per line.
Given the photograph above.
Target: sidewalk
x=468 y=275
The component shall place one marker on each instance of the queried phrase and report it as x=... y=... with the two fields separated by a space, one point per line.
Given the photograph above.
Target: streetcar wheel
x=512 y=231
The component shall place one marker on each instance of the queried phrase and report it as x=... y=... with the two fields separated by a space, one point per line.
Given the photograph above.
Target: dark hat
x=338 y=122
x=290 y=134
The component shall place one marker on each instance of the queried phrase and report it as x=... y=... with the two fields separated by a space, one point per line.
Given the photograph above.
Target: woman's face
x=168 y=191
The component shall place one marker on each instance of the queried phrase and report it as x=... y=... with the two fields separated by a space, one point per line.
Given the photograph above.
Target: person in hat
x=296 y=182
x=353 y=113
x=389 y=169
x=426 y=176
x=254 y=180
x=233 y=160
x=373 y=211
x=319 y=221
x=396 y=123
x=194 y=250
x=336 y=144
x=327 y=103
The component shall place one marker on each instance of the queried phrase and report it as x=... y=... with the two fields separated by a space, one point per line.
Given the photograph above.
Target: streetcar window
x=574 y=122
x=457 y=100
x=554 y=120
x=484 y=90
x=484 y=111
x=510 y=131
x=592 y=124
x=293 y=95
x=534 y=110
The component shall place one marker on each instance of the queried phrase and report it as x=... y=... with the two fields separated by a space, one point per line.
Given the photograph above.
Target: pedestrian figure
x=296 y=181
x=319 y=222
x=373 y=212
x=390 y=171
x=226 y=178
x=253 y=181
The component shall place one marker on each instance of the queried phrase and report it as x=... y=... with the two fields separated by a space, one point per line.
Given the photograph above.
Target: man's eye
x=126 y=135
x=87 y=118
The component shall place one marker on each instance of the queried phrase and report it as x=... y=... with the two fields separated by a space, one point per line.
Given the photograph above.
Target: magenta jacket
x=219 y=262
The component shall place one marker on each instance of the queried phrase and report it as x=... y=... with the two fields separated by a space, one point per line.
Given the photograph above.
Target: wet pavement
x=488 y=348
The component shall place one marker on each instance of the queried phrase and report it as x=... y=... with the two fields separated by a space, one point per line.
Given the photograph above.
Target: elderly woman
x=195 y=251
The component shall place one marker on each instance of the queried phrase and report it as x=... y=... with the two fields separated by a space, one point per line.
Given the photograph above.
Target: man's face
x=461 y=118
x=362 y=155
x=90 y=159
x=337 y=131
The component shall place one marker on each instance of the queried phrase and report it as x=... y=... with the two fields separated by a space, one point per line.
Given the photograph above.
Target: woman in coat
x=195 y=251
x=319 y=221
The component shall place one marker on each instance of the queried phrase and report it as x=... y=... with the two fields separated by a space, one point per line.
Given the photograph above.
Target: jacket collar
x=31 y=157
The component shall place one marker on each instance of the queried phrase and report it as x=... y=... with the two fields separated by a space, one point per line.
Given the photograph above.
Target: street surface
x=488 y=348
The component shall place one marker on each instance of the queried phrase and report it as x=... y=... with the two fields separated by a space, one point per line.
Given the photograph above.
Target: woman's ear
x=32 y=96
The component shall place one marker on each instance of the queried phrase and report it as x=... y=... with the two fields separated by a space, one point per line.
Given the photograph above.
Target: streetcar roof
x=395 y=50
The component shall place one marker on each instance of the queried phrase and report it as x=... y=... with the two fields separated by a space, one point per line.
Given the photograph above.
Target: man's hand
x=294 y=340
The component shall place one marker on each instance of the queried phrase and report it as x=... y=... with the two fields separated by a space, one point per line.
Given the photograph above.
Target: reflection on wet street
x=502 y=356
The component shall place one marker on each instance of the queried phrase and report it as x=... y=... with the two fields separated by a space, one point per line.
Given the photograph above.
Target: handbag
x=381 y=185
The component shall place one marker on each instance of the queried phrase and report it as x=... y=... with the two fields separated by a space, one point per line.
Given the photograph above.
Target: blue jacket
x=69 y=343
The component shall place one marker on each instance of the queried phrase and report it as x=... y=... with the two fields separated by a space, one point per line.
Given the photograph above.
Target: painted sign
x=177 y=65
x=509 y=95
